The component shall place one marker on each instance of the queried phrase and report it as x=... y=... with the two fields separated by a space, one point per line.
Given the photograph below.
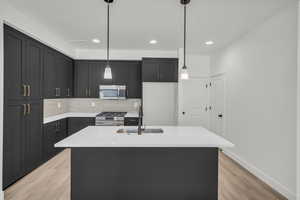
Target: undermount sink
x=144 y=131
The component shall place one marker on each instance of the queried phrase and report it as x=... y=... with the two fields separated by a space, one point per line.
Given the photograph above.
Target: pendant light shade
x=184 y=75
x=107 y=71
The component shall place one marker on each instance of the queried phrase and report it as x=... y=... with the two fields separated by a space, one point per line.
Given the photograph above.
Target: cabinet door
x=34 y=135
x=49 y=139
x=14 y=129
x=120 y=72
x=81 y=79
x=14 y=45
x=33 y=58
x=150 y=70
x=61 y=133
x=49 y=73
x=168 y=70
x=70 y=78
x=134 y=84
x=62 y=76
x=76 y=124
x=96 y=74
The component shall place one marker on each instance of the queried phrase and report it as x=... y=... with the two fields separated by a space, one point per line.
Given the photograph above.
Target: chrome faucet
x=140 y=129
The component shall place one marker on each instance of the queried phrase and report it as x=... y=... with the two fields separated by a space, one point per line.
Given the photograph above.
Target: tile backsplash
x=55 y=107
x=59 y=106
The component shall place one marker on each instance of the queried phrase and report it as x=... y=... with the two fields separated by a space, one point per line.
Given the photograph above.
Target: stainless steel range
x=110 y=119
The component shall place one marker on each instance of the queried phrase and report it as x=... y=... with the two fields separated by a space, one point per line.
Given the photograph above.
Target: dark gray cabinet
x=83 y=72
x=14 y=80
x=53 y=133
x=33 y=71
x=23 y=106
x=58 y=74
x=76 y=124
x=22 y=66
x=22 y=143
x=131 y=121
x=160 y=70
x=33 y=136
x=90 y=74
x=13 y=139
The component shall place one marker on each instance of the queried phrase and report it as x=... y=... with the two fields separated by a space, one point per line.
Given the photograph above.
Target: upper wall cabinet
x=160 y=70
x=90 y=74
x=23 y=66
x=58 y=75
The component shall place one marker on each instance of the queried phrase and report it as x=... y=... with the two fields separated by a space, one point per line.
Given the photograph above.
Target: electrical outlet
x=59 y=105
x=93 y=104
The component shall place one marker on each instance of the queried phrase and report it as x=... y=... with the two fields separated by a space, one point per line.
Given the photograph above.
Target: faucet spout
x=140 y=120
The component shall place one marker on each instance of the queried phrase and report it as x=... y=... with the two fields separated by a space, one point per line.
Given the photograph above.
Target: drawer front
x=131 y=121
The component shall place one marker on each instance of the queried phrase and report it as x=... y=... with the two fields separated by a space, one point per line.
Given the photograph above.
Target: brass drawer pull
x=29 y=91
x=24 y=91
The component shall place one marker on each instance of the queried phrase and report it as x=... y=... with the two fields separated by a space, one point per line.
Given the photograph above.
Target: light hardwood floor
x=51 y=181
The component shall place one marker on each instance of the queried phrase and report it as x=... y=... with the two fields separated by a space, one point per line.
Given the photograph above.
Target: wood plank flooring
x=51 y=181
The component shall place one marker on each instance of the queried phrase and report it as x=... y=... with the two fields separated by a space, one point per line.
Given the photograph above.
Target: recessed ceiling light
x=208 y=43
x=153 y=42
x=96 y=40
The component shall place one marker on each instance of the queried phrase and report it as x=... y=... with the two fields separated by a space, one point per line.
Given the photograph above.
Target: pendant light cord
x=184 y=44
x=108 y=34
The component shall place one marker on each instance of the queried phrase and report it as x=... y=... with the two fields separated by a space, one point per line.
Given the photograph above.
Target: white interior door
x=217 y=99
x=194 y=103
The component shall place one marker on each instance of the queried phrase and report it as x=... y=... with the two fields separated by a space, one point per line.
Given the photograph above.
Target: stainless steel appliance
x=110 y=119
x=113 y=92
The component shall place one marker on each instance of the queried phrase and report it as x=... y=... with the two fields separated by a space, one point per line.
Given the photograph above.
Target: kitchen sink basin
x=144 y=131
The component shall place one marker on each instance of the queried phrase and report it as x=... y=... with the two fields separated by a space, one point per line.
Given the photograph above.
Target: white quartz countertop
x=71 y=114
x=67 y=115
x=173 y=136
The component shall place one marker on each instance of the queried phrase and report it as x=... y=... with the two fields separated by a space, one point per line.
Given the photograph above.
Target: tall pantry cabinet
x=23 y=105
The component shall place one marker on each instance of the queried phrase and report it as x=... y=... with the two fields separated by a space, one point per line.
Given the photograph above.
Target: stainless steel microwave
x=113 y=92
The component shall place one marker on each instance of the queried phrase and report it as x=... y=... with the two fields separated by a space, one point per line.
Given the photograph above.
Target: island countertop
x=173 y=136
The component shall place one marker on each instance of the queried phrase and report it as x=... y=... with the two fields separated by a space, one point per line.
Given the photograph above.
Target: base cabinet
x=53 y=133
x=76 y=124
x=22 y=139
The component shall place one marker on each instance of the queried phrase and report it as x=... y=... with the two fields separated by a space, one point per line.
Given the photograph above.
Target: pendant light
x=184 y=71
x=107 y=71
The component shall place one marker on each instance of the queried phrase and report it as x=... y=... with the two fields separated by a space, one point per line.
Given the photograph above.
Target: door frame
x=220 y=76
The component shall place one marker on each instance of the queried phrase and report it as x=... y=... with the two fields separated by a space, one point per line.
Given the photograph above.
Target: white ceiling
x=135 y=22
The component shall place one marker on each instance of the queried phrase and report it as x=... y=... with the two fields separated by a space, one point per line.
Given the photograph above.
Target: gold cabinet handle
x=28 y=109
x=24 y=109
x=29 y=90
x=24 y=91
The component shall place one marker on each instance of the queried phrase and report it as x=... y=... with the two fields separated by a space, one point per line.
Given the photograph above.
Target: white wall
x=160 y=103
x=1 y=97
x=298 y=109
x=261 y=75
x=97 y=54
x=31 y=26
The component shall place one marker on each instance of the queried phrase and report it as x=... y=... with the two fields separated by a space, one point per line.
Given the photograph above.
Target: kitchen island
x=180 y=164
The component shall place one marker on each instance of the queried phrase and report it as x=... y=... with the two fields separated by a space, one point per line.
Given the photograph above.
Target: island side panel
x=144 y=173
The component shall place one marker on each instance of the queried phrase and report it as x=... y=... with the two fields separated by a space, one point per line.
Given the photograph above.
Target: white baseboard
x=264 y=177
